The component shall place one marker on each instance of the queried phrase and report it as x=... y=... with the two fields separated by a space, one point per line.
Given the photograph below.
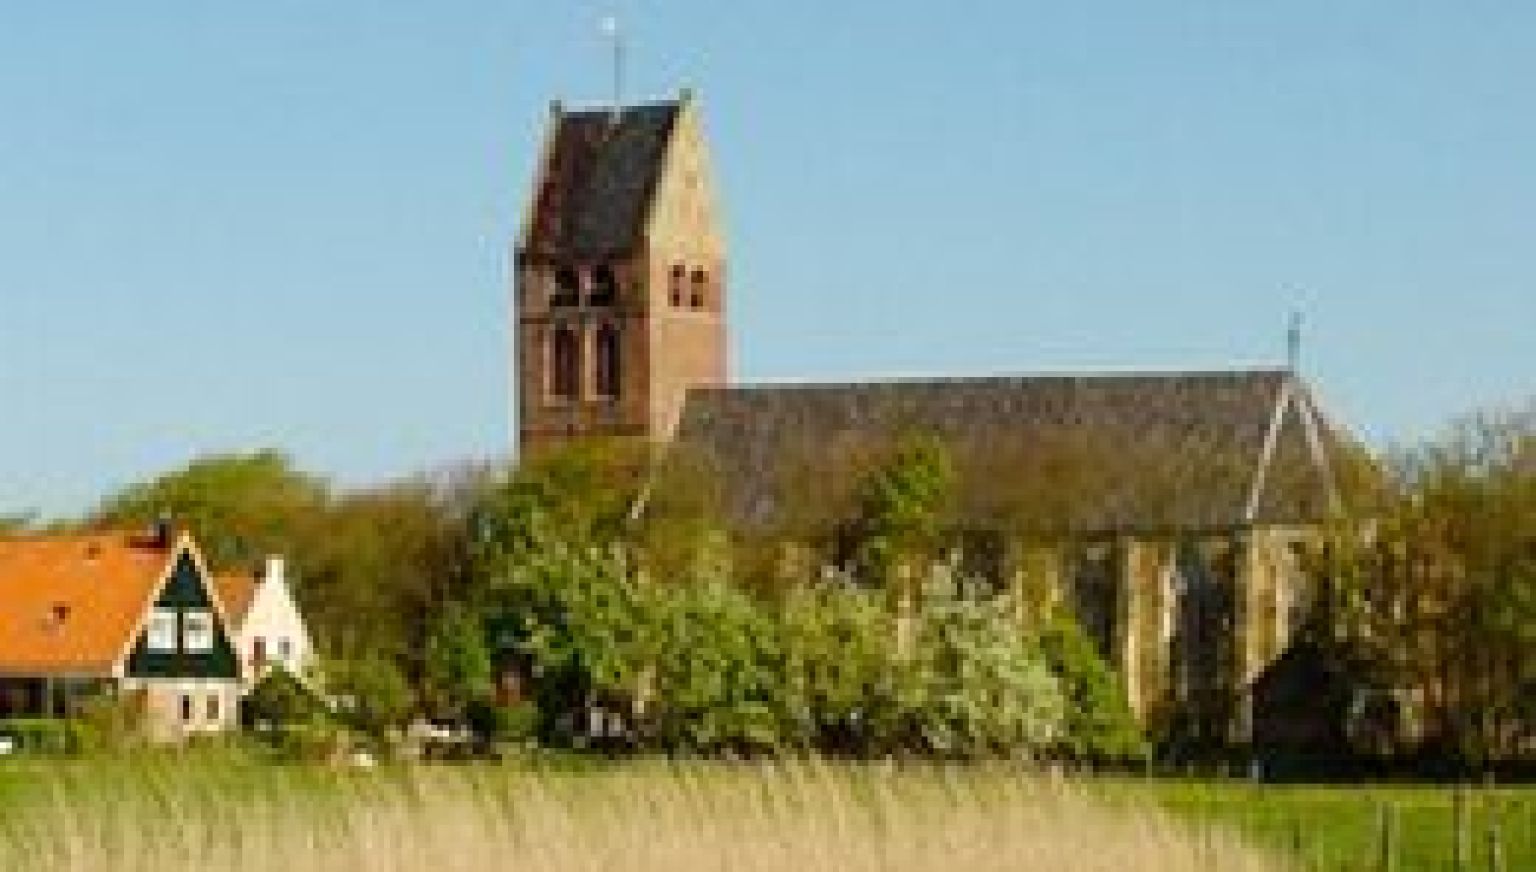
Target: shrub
x=49 y=735
x=1098 y=725
x=280 y=698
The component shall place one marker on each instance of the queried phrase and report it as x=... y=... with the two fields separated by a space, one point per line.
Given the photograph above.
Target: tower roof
x=599 y=176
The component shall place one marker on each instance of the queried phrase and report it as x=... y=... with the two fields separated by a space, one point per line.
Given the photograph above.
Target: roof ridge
x=1105 y=375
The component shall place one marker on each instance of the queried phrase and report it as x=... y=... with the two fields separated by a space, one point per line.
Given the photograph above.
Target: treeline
x=573 y=601
x=1428 y=597
x=540 y=602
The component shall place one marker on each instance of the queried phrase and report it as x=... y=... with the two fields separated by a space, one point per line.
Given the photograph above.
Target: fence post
x=1388 y=838
x=1495 y=844
x=1461 y=837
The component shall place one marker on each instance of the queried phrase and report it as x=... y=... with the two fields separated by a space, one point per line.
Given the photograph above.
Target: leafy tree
x=839 y=653
x=458 y=665
x=903 y=507
x=281 y=699
x=973 y=685
x=240 y=506
x=1432 y=596
x=370 y=694
x=719 y=676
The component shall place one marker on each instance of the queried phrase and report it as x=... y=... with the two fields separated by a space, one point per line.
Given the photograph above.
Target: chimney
x=163 y=532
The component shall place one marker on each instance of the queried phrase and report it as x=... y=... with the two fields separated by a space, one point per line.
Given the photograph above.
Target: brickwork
x=668 y=271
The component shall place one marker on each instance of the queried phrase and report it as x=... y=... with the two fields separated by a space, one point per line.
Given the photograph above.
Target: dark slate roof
x=1092 y=452
x=600 y=177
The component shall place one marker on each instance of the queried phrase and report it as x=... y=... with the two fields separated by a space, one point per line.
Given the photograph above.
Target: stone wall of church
x=1192 y=622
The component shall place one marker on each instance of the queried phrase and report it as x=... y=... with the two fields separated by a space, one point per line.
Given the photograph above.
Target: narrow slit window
x=567 y=288
x=605 y=287
x=566 y=360
x=609 y=374
x=679 y=275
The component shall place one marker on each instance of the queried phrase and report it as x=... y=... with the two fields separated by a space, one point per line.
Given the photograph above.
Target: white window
x=284 y=650
x=197 y=630
x=162 y=630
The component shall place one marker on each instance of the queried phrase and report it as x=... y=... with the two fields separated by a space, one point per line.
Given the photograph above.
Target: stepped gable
x=601 y=173
x=1142 y=451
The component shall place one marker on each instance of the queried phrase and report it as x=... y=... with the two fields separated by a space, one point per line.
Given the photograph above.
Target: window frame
x=199 y=633
x=162 y=632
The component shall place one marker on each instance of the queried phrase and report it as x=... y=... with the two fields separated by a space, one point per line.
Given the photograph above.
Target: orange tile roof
x=70 y=605
x=236 y=592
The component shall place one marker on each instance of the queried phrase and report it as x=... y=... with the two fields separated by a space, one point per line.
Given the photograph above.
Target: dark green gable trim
x=187 y=589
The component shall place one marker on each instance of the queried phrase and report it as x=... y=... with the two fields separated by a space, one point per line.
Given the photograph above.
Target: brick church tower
x=620 y=282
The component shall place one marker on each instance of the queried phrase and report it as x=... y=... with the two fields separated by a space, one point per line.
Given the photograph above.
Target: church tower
x=620 y=276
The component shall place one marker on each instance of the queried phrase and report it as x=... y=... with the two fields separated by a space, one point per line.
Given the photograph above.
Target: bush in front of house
x=50 y=735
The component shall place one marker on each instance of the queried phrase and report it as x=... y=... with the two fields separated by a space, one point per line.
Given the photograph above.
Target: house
x=266 y=625
x=1170 y=511
x=126 y=615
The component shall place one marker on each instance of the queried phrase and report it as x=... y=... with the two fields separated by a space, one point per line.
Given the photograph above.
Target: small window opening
x=213 y=708
x=605 y=287
x=566 y=360
x=197 y=631
x=186 y=708
x=679 y=274
x=567 y=288
x=699 y=283
x=608 y=361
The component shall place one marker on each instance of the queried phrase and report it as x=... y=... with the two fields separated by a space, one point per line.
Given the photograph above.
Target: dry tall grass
x=645 y=818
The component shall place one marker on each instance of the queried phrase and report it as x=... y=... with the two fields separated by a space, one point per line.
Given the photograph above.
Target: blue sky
x=228 y=226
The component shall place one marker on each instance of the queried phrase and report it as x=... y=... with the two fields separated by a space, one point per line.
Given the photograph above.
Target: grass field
x=1339 y=828
x=229 y=812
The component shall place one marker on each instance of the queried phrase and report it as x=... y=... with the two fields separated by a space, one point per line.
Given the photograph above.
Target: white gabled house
x=266 y=627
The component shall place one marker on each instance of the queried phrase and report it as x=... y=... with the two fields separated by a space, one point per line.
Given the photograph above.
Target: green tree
x=457 y=670
x=241 y=507
x=370 y=694
x=1432 y=593
x=1098 y=723
x=903 y=508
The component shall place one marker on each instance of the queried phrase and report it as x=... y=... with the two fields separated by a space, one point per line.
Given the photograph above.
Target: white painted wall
x=274 y=626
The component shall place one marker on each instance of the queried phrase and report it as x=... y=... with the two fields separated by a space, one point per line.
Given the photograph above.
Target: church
x=1181 y=502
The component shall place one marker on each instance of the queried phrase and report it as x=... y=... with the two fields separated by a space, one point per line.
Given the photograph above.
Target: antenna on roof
x=611 y=31
x=1293 y=342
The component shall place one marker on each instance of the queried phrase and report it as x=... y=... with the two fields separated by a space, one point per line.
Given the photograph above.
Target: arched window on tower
x=610 y=373
x=699 y=285
x=567 y=287
x=605 y=287
x=565 y=363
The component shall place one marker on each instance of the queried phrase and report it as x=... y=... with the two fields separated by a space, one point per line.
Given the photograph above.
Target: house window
x=197 y=630
x=284 y=650
x=259 y=651
x=565 y=357
x=605 y=287
x=162 y=630
x=186 y=708
x=213 y=708
x=699 y=284
x=679 y=273
x=567 y=288
x=608 y=361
